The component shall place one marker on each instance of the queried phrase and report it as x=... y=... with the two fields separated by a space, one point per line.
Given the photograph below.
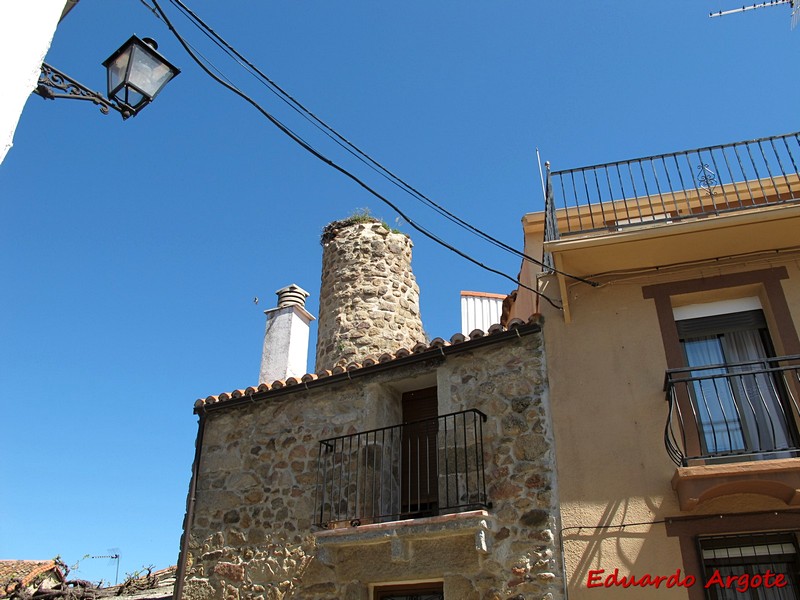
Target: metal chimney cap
x=292 y=295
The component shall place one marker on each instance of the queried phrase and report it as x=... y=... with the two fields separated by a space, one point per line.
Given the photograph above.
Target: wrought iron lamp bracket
x=55 y=84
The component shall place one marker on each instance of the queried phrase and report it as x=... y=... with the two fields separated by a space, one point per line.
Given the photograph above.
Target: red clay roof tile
x=26 y=571
x=369 y=361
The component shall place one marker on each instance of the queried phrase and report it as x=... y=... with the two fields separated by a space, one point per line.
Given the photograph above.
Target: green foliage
x=359 y=215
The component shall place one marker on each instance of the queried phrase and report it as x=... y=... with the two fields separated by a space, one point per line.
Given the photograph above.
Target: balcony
x=669 y=188
x=733 y=429
x=734 y=412
x=660 y=211
x=417 y=469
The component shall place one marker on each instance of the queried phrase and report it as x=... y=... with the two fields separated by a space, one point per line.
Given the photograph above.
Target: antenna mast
x=115 y=557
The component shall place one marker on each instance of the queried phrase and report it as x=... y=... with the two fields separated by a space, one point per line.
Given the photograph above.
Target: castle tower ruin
x=369 y=299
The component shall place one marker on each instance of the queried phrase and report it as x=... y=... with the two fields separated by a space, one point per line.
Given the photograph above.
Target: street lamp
x=136 y=74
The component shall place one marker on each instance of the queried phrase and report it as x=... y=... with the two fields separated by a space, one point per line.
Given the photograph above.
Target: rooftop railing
x=672 y=187
x=733 y=412
x=416 y=469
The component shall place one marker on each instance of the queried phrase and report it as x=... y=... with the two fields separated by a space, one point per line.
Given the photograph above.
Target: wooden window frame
x=777 y=478
x=784 y=333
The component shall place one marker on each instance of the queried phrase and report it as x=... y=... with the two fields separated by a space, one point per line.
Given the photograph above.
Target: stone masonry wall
x=369 y=299
x=252 y=534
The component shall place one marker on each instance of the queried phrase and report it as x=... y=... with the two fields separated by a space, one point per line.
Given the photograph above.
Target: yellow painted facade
x=625 y=505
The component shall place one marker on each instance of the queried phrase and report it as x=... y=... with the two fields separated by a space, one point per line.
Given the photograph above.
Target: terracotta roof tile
x=420 y=347
x=369 y=361
x=26 y=571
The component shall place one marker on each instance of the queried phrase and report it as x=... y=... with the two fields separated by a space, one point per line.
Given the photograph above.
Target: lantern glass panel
x=117 y=70
x=148 y=73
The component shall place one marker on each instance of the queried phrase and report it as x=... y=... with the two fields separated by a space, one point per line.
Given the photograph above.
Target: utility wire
x=207 y=60
x=306 y=146
x=350 y=146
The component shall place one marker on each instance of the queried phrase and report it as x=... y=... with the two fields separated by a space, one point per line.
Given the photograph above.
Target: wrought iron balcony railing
x=416 y=469
x=739 y=411
x=672 y=187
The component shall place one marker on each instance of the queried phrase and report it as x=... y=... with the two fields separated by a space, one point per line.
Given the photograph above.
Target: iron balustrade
x=737 y=411
x=672 y=187
x=416 y=469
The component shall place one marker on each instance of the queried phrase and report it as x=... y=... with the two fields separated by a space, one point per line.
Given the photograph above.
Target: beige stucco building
x=672 y=289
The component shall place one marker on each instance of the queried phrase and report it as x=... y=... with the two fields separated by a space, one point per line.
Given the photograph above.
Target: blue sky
x=130 y=252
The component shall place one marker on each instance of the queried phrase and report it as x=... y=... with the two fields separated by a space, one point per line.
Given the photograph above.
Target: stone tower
x=369 y=299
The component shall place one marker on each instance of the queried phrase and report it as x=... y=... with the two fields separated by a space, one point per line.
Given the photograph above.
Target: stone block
x=229 y=571
x=197 y=589
x=457 y=586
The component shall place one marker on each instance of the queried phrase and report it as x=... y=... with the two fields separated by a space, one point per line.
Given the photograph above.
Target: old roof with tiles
x=438 y=345
x=158 y=585
x=24 y=570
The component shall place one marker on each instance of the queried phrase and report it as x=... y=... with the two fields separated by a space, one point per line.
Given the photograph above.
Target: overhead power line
x=350 y=146
x=306 y=146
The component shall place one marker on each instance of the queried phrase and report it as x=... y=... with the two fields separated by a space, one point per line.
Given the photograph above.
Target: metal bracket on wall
x=55 y=84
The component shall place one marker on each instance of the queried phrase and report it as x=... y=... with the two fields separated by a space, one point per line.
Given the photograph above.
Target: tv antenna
x=114 y=556
x=794 y=4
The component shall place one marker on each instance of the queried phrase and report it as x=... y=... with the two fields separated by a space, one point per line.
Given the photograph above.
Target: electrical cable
x=306 y=146
x=350 y=146
x=213 y=66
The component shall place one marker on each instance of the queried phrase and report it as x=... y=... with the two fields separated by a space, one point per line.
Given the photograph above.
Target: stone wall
x=252 y=534
x=369 y=299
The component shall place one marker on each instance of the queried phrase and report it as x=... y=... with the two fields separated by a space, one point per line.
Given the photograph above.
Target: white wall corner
x=26 y=31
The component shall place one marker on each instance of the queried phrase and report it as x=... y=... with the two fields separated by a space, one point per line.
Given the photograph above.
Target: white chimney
x=285 y=351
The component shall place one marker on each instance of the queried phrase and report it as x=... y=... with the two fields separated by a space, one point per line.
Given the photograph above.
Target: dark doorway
x=419 y=473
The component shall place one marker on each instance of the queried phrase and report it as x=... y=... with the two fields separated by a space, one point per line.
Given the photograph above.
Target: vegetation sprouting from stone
x=359 y=215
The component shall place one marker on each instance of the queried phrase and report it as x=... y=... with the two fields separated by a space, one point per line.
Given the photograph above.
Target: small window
x=757 y=566
x=417 y=591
